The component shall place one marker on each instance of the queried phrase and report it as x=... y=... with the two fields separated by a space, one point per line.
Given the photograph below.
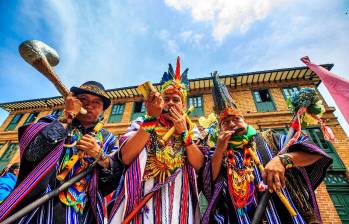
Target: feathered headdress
x=174 y=82
x=224 y=103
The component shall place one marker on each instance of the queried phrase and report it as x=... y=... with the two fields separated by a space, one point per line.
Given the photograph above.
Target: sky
x=124 y=43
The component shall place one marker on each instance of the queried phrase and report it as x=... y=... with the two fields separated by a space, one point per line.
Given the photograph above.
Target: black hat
x=94 y=88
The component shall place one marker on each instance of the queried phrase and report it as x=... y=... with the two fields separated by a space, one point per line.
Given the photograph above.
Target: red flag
x=336 y=85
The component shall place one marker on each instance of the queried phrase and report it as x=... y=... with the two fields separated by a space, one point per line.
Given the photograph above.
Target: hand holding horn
x=43 y=58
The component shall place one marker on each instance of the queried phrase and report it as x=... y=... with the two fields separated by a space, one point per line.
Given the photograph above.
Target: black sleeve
x=43 y=143
x=109 y=178
x=46 y=140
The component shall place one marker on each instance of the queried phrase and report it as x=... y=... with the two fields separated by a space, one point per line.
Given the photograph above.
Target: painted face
x=233 y=123
x=94 y=106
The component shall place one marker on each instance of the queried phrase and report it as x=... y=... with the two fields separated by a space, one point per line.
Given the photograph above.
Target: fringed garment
x=300 y=186
x=165 y=171
x=81 y=204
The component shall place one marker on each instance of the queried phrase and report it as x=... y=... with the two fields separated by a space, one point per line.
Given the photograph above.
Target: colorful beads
x=186 y=138
x=149 y=124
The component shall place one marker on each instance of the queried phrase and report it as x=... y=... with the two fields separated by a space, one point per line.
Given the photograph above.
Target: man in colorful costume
x=54 y=150
x=164 y=169
x=233 y=183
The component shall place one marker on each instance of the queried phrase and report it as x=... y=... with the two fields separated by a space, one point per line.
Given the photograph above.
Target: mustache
x=165 y=110
x=239 y=130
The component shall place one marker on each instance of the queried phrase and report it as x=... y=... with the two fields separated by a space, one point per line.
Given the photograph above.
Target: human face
x=172 y=100
x=231 y=123
x=16 y=172
x=94 y=106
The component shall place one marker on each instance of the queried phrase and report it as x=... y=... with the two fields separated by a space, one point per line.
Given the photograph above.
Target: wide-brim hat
x=94 y=88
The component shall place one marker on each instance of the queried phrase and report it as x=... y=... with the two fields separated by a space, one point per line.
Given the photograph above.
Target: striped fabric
x=176 y=201
x=29 y=134
x=214 y=191
x=34 y=177
x=46 y=213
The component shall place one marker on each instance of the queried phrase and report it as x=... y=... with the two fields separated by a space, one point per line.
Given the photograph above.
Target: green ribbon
x=250 y=132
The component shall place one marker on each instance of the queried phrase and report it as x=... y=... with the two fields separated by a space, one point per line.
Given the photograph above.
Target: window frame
x=12 y=125
x=31 y=117
x=267 y=104
x=134 y=114
x=117 y=116
x=198 y=110
x=288 y=87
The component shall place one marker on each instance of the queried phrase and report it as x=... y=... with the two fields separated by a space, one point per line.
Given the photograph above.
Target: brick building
x=261 y=96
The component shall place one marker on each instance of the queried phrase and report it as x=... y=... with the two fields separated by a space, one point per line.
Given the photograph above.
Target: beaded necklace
x=240 y=175
x=163 y=160
x=76 y=195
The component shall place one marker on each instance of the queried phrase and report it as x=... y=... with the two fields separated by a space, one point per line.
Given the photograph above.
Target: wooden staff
x=134 y=212
x=279 y=193
x=42 y=200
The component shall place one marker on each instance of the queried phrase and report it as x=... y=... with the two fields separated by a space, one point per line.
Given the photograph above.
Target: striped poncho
x=300 y=185
x=175 y=200
x=40 y=161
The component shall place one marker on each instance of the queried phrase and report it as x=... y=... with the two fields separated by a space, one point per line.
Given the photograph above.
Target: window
x=12 y=125
x=116 y=113
x=57 y=113
x=288 y=91
x=31 y=118
x=316 y=136
x=197 y=102
x=138 y=110
x=7 y=155
x=263 y=100
x=337 y=183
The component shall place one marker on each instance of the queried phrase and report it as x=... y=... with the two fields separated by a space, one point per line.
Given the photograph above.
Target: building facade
x=261 y=97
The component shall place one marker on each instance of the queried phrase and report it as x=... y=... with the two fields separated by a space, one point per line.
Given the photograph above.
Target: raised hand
x=154 y=104
x=72 y=107
x=178 y=119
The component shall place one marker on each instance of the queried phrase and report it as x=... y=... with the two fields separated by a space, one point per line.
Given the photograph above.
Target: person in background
x=8 y=181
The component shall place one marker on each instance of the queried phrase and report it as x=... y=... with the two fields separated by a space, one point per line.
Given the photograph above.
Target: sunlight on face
x=94 y=106
x=233 y=123
x=171 y=100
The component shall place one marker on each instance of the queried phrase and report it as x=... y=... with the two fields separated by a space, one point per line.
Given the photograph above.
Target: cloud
x=169 y=41
x=139 y=28
x=92 y=39
x=227 y=16
x=190 y=37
